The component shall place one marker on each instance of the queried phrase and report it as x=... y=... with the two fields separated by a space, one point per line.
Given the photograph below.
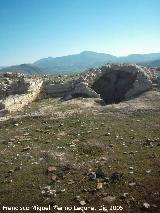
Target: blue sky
x=33 y=29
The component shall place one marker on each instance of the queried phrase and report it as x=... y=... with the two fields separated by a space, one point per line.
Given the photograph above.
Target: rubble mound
x=113 y=83
x=11 y=84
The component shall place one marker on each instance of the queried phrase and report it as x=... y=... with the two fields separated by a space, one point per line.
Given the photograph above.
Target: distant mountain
x=74 y=63
x=155 y=63
x=87 y=59
x=23 y=68
x=80 y=62
x=139 y=58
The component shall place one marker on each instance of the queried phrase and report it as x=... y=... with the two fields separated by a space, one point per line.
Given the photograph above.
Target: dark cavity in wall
x=77 y=95
x=113 y=85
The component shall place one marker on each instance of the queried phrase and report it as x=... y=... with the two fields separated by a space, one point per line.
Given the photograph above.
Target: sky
x=34 y=29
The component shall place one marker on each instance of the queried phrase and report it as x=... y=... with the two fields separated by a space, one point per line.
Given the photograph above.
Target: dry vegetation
x=78 y=153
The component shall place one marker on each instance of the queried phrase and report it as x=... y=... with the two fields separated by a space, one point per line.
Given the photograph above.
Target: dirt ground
x=82 y=154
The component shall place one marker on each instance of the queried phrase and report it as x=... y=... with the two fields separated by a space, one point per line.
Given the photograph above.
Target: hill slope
x=87 y=59
x=74 y=63
x=139 y=58
x=23 y=68
x=155 y=63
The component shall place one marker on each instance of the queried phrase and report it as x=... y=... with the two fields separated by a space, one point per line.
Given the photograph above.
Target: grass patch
x=77 y=145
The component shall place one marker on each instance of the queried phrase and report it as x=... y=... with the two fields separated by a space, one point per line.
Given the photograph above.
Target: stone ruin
x=116 y=83
x=17 y=91
x=113 y=83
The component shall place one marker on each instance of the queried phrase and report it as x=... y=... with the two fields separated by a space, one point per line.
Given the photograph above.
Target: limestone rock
x=51 y=169
x=146 y=205
x=109 y=199
x=99 y=185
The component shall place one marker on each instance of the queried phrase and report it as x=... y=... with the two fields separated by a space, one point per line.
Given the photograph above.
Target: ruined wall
x=119 y=82
x=141 y=84
x=20 y=98
x=69 y=89
x=57 y=89
x=11 y=83
x=113 y=83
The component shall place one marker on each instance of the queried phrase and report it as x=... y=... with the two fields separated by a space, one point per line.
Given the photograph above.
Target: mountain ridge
x=87 y=59
x=77 y=63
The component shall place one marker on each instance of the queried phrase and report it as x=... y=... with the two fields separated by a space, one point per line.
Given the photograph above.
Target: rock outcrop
x=113 y=83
